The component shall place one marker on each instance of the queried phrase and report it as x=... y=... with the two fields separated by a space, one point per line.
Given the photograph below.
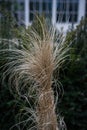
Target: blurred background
x=62 y=13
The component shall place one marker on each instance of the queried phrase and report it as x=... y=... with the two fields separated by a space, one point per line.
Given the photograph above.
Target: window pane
x=64 y=17
x=75 y=18
x=76 y=7
x=37 y=6
x=69 y=7
x=58 y=6
x=64 y=6
x=44 y=6
x=50 y=6
x=70 y=18
x=31 y=5
x=40 y=7
x=31 y=16
x=57 y=19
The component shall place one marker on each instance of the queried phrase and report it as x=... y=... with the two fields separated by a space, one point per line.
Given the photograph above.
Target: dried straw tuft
x=46 y=54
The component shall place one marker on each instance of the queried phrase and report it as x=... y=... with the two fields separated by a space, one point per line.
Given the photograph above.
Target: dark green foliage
x=7 y=108
x=74 y=79
x=7 y=101
x=6 y=20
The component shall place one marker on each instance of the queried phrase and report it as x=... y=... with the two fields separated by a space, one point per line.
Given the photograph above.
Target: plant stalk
x=47 y=119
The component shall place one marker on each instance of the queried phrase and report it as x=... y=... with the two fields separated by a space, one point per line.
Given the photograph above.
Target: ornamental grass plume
x=36 y=64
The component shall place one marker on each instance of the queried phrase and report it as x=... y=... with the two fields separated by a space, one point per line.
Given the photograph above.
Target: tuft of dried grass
x=36 y=65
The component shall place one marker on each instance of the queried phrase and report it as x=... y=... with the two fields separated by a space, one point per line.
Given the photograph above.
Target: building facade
x=63 y=13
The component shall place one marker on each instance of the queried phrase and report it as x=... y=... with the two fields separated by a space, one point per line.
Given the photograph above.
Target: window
x=18 y=10
x=41 y=7
x=67 y=10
